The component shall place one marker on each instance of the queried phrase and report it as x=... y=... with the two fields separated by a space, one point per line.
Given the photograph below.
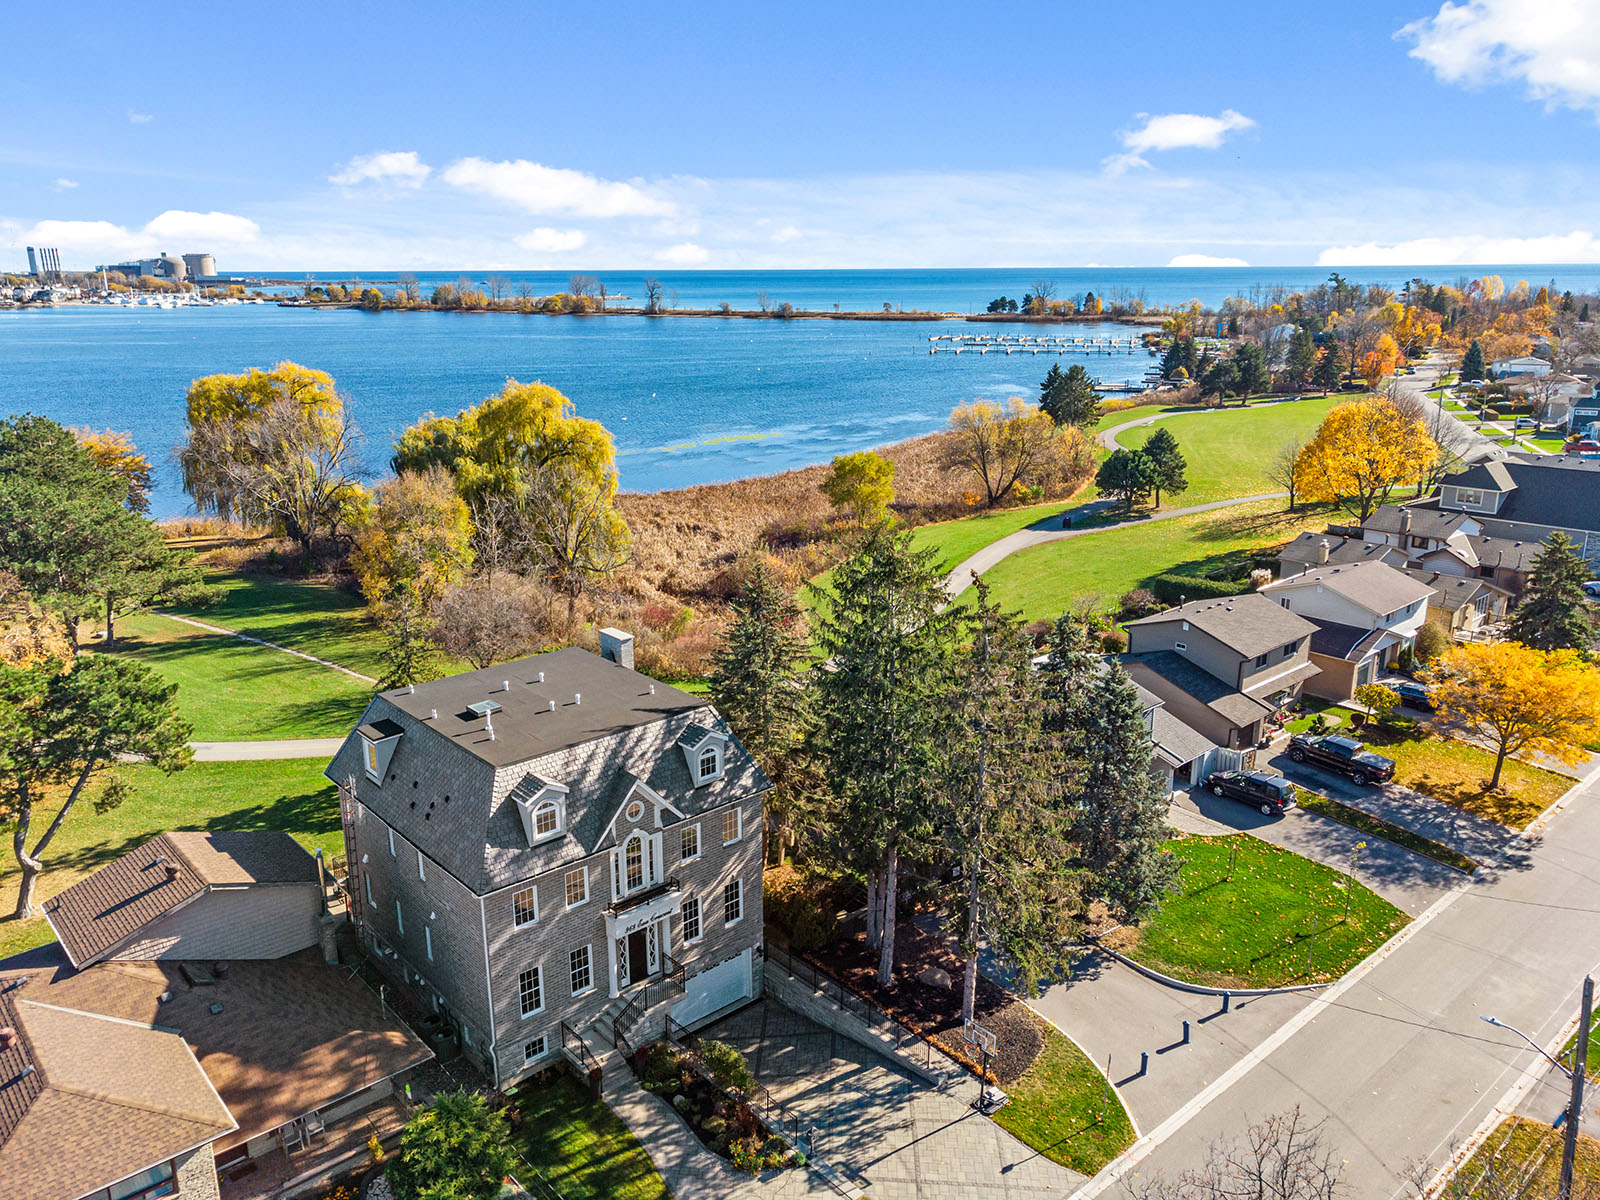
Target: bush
x=1431 y=641
x=1259 y=578
x=791 y=902
x=1113 y=641
x=1174 y=589
x=1140 y=602
x=1404 y=661
x=682 y=1103
x=458 y=1147
x=727 y=1067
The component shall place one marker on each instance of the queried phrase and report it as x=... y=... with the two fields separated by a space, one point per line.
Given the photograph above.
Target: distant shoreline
x=1147 y=318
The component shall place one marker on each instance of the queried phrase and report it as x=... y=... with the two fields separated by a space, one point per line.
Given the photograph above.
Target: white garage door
x=718 y=987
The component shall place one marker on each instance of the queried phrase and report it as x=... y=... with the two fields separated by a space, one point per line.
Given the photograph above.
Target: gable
x=640 y=805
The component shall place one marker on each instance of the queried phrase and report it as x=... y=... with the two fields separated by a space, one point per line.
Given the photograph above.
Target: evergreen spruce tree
x=1553 y=614
x=1064 y=676
x=1052 y=392
x=1128 y=475
x=756 y=683
x=1301 y=360
x=885 y=717
x=1472 y=365
x=1179 y=356
x=1162 y=450
x=1121 y=808
x=1068 y=397
x=1018 y=891
x=1250 y=369
x=1329 y=367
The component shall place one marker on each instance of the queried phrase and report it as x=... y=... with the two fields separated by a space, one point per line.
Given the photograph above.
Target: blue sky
x=327 y=136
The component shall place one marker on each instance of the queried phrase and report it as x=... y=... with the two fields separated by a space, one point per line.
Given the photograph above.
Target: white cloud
x=1205 y=260
x=788 y=233
x=402 y=167
x=684 y=254
x=175 y=225
x=139 y=118
x=63 y=185
x=551 y=241
x=1550 y=46
x=173 y=230
x=1579 y=246
x=537 y=188
x=1175 y=131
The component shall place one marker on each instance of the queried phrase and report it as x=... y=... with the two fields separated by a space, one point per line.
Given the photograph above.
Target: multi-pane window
x=533 y=1048
x=691 y=919
x=633 y=863
x=546 y=819
x=577 y=882
x=525 y=906
x=582 y=976
x=708 y=762
x=733 y=901
x=691 y=843
x=1261 y=660
x=732 y=826
x=530 y=987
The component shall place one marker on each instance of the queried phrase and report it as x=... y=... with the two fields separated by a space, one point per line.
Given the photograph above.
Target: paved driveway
x=892 y=1134
x=1477 y=837
x=1408 y=881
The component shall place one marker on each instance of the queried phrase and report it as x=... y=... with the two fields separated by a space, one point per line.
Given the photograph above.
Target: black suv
x=1342 y=754
x=1268 y=792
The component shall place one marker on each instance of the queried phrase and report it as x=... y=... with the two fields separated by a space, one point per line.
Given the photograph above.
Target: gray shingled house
x=531 y=845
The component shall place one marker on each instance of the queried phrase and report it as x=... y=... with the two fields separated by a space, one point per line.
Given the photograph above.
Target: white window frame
x=555 y=831
x=538 y=990
x=588 y=969
x=366 y=882
x=529 y=1054
x=651 y=852
x=371 y=749
x=566 y=886
x=699 y=847
x=738 y=826
x=1183 y=647
x=737 y=885
x=533 y=894
x=422 y=871
x=427 y=940
x=399 y=919
x=703 y=773
x=392 y=852
x=699 y=920
x=1469 y=497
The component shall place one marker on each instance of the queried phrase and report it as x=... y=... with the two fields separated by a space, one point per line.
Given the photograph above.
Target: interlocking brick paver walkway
x=893 y=1135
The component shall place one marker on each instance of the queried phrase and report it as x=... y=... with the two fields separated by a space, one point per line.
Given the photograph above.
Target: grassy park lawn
x=1524 y=1155
x=956 y=540
x=1458 y=774
x=1276 y=919
x=231 y=690
x=580 y=1147
x=288 y=794
x=1228 y=451
x=1044 y=581
x=1057 y=1106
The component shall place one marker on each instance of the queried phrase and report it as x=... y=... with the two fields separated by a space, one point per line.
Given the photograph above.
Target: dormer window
x=378 y=741
x=704 y=753
x=542 y=805
x=710 y=764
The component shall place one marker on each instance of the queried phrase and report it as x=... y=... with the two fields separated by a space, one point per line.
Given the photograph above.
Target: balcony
x=645 y=895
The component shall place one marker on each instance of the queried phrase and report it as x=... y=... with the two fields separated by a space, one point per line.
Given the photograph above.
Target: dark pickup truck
x=1342 y=754
x=1269 y=792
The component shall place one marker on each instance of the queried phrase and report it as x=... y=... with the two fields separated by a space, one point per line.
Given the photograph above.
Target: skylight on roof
x=484 y=707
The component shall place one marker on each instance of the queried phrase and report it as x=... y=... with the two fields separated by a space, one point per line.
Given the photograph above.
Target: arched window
x=708 y=762
x=546 y=819
x=633 y=863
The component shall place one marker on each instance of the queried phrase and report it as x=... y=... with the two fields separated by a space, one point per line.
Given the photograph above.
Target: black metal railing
x=906 y=1041
x=572 y=1042
x=773 y=1113
x=669 y=884
x=671 y=971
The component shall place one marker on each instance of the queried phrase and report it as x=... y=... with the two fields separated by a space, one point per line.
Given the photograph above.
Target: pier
x=987 y=343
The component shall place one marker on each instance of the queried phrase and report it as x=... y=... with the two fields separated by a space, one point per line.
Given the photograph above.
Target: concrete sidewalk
x=268 y=749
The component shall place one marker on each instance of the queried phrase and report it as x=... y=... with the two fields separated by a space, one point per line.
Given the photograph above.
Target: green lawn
x=1228 y=451
x=1377 y=827
x=1056 y=1109
x=232 y=690
x=1550 y=445
x=580 y=1146
x=957 y=540
x=1458 y=774
x=314 y=617
x=1523 y=1158
x=1044 y=581
x=1278 y=920
x=291 y=795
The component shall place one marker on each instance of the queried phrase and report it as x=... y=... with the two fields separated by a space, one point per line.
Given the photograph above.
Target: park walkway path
x=245 y=637
x=1050 y=529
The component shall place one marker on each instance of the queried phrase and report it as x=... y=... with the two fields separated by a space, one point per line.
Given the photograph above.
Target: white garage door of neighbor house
x=715 y=988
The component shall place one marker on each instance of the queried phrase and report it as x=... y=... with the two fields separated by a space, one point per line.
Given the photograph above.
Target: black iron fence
x=914 y=1045
x=572 y=1042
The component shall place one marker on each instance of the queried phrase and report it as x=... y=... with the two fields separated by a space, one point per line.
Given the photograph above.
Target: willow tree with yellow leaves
x=272 y=447
x=524 y=458
x=1361 y=453
x=1516 y=698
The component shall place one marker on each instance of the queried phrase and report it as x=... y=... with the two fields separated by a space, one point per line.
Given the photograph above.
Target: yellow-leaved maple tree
x=1362 y=451
x=1517 y=698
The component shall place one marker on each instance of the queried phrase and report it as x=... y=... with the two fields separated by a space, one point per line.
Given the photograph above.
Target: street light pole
x=1580 y=1064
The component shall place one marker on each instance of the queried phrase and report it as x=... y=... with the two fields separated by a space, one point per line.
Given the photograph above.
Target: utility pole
x=1580 y=1065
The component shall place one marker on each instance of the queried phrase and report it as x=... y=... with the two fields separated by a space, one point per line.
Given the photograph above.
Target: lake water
x=688 y=401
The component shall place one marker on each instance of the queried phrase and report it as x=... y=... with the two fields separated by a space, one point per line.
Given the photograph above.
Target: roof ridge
x=158 y=1109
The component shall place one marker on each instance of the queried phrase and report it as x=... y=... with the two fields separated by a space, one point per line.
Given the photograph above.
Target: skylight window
x=484 y=708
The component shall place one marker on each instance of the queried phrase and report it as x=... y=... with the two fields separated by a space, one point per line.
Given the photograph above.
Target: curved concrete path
x=261 y=751
x=1108 y=437
x=1049 y=529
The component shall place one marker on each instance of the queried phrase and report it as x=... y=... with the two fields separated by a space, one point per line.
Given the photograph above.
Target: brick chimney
x=616 y=645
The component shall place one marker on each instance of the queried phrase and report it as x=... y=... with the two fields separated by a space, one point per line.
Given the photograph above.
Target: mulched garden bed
x=931 y=1009
x=728 y=1127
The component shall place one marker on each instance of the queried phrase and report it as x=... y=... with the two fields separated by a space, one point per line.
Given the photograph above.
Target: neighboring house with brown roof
x=1463 y=604
x=1224 y=666
x=92 y=1106
x=532 y=845
x=1367 y=614
x=195 y=895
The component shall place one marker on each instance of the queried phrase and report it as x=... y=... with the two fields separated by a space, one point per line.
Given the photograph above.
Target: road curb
x=1201 y=989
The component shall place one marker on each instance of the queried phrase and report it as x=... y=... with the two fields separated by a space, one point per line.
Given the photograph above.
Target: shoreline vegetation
x=746 y=314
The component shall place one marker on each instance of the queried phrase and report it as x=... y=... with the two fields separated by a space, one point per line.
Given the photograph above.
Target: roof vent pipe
x=505 y=685
x=577 y=698
x=411 y=689
x=433 y=714
x=552 y=707
x=652 y=689
x=488 y=724
x=541 y=676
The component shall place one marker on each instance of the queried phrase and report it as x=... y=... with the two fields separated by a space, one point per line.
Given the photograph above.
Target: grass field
x=231 y=690
x=1522 y=1154
x=1056 y=1109
x=1378 y=827
x=1044 y=581
x=1228 y=450
x=1458 y=774
x=290 y=795
x=1276 y=919
x=580 y=1146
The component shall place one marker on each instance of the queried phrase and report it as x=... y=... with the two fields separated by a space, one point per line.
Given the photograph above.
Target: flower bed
x=727 y=1125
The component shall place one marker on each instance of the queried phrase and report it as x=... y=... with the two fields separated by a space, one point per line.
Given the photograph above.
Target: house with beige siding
x=532 y=845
